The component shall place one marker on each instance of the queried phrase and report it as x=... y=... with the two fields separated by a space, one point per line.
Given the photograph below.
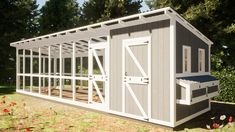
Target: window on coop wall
x=201 y=60
x=186 y=59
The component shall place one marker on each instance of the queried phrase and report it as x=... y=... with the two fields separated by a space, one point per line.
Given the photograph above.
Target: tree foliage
x=57 y=15
x=18 y=19
x=99 y=10
x=227 y=84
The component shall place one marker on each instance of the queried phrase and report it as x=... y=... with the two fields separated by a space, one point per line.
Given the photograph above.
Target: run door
x=98 y=70
x=136 y=66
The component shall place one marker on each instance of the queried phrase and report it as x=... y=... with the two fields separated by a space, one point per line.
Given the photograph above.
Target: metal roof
x=200 y=79
x=82 y=34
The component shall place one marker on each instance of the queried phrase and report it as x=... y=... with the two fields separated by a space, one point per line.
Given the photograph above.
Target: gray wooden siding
x=161 y=72
x=199 y=92
x=183 y=111
x=212 y=89
x=160 y=34
x=186 y=37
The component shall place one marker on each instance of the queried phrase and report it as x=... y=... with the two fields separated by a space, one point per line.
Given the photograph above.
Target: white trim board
x=173 y=14
x=172 y=72
x=197 y=99
x=57 y=99
x=160 y=122
x=192 y=74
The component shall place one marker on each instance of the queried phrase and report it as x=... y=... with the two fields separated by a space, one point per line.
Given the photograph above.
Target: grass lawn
x=33 y=114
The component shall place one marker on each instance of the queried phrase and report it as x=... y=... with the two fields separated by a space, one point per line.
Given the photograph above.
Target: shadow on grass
x=7 y=90
x=217 y=109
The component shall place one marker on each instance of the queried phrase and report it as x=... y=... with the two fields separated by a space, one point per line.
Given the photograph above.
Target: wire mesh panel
x=27 y=83
x=67 y=89
x=35 y=87
x=44 y=86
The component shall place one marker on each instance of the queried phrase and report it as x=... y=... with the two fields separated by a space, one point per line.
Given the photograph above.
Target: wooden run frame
x=42 y=75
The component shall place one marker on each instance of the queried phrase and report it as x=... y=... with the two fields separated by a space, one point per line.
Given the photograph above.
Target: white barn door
x=136 y=72
x=98 y=70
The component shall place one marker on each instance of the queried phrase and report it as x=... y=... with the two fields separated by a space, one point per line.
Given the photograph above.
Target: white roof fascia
x=103 y=26
x=173 y=14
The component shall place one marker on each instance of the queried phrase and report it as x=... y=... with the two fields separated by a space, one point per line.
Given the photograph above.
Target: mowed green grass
x=35 y=114
x=41 y=115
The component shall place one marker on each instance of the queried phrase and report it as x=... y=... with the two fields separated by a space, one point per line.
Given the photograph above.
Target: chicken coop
x=152 y=66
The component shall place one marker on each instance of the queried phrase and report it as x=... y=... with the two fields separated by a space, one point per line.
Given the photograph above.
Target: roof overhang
x=101 y=29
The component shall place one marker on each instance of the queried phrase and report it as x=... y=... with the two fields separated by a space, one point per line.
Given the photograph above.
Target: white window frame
x=188 y=48
x=203 y=61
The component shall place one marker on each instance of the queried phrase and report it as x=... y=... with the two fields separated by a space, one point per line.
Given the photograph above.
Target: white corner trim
x=17 y=69
x=172 y=72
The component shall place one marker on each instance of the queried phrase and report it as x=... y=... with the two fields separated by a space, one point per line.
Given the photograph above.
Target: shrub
x=227 y=84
